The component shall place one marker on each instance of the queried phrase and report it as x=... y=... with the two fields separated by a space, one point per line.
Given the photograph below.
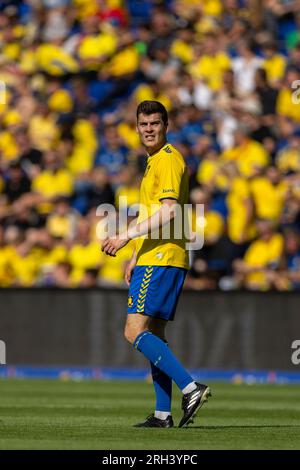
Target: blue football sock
x=157 y=352
x=163 y=389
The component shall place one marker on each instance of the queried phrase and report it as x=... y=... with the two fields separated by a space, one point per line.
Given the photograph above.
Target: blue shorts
x=155 y=290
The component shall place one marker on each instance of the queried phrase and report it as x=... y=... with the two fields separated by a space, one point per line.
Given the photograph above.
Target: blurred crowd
x=71 y=75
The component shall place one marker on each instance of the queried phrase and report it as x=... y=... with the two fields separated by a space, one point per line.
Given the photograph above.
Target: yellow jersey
x=268 y=199
x=260 y=255
x=166 y=177
x=238 y=226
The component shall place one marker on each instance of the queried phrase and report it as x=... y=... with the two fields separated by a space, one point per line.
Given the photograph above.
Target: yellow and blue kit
x=161 y=263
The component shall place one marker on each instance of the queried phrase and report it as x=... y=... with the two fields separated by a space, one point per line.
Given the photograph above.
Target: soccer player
x=158 y=267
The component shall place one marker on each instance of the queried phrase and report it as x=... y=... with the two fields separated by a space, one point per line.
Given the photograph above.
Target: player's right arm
x=130 y=267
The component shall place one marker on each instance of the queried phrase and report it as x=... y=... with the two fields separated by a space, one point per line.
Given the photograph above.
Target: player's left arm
x=163 y=216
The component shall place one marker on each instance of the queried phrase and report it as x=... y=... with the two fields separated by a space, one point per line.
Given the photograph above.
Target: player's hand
x=129 y=270
x=110 y=246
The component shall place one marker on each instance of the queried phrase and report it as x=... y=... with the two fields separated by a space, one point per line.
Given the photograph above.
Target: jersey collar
x=157 y=151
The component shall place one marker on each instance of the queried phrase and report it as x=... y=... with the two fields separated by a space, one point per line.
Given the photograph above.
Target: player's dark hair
x=152 y=107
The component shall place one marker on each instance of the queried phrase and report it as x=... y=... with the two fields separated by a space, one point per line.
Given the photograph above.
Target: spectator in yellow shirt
x=269 y=194
x=22 y=265
x=85 y=253
x=95 y=46
x=249 y=155
x=255 y=270
x=182 y=46
x=62 y=221
x=43 y=130
x=52 y=58
x=212 y=63
x=274 y=64
x=53 y=181
x=209 y=173
x=240 y=226
x=124 y=63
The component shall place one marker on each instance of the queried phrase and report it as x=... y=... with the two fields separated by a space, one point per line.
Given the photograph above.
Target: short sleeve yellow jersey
x=165 y=177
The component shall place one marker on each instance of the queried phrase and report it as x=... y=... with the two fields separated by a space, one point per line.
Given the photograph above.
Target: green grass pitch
x=36 y=414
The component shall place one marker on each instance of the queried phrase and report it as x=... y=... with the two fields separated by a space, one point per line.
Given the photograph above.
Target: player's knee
x=132 y=332
x=129 y=335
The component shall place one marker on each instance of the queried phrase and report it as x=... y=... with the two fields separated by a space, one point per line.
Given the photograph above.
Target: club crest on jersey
x=130 y=301
x=167 y=149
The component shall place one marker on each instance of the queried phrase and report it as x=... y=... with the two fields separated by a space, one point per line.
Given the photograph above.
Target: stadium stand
x=73 y=72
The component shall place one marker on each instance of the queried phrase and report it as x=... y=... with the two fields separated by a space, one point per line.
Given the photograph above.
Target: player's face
x=152 y=131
